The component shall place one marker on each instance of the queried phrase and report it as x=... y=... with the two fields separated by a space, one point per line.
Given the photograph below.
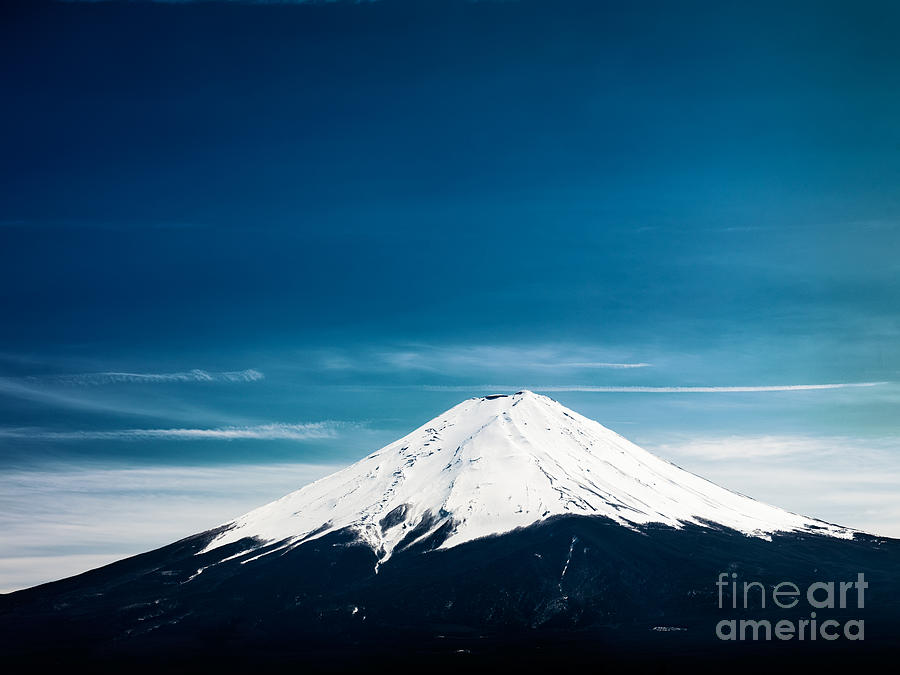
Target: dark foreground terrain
x=571 y=592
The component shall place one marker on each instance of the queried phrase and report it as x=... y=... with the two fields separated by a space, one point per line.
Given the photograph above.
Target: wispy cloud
x=86 y=392
x=453 y=359
x=61 y=520
x=195 y=375
x=781 y=446
x=650 y=390
x=846 y=480
x=278 y=431
x=20 y=389
x=595 y=364
x=99 y=400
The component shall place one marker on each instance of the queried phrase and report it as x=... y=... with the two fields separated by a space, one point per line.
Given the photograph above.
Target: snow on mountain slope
x=493 y=464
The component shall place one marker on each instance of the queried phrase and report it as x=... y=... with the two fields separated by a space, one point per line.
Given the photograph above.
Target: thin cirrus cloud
x=64 y=391
x=57 y=395
x=589 y=364
x=39 y=393
x=456 y=358
x=276 y=431
x=194 y=375
x=654 y=390
x=781 y=446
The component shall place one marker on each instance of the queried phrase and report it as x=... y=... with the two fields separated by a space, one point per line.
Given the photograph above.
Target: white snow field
x=493 y=464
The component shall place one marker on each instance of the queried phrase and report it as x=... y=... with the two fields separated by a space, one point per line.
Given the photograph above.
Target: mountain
x=507 y=530
x=493 y=464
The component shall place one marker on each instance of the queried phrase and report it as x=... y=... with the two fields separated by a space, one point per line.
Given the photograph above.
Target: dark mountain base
x=572 y=592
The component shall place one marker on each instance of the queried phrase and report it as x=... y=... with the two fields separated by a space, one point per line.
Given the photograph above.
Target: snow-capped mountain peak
x=492 y=464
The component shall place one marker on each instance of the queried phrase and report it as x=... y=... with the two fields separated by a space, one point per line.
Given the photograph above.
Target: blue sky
x=243 y=244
